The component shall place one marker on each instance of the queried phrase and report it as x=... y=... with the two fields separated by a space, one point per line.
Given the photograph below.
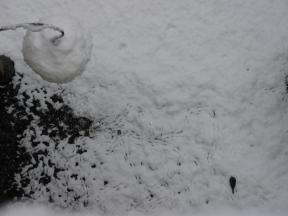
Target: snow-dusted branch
x=35 y=27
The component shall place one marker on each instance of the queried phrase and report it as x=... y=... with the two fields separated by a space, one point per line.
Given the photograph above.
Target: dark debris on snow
x=56 y=123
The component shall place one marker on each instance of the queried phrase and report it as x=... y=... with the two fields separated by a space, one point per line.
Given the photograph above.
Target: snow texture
x=58 y=60
x=34 y=210
x=184 y=95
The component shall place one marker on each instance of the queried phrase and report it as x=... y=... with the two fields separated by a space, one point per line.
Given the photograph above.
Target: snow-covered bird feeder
x=57 y=48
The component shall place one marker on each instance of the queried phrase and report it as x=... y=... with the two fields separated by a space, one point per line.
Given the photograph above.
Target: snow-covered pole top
x=36 y=27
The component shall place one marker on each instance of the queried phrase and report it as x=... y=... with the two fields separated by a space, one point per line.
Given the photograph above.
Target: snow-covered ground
x=44 y=211
x=189 y=94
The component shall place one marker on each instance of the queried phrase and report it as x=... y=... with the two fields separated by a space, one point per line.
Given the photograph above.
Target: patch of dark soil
x=22 y=116
x=12 y=155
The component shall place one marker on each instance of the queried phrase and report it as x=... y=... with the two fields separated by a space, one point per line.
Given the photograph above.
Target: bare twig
x=36 y=27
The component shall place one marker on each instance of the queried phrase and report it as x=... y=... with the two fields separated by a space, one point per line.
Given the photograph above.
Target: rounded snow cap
x=62 y=60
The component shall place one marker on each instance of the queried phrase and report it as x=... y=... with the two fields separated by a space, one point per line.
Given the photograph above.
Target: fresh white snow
x=197 y=89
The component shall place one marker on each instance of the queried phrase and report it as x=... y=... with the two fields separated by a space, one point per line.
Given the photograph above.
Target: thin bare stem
x=36 y=27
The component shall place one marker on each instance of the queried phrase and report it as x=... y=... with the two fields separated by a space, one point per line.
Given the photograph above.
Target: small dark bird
x=232 y=182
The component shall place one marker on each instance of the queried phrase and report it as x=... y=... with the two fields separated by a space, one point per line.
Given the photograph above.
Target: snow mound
x=62 y=61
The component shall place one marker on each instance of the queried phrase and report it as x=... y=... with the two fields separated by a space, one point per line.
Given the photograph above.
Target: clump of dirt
x=24 y=120
x=7 y=70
